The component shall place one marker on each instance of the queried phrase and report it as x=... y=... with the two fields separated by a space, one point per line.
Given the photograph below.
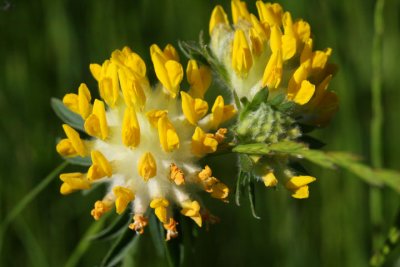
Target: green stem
x=377 y=120
x=20 y=206
x=84 y=243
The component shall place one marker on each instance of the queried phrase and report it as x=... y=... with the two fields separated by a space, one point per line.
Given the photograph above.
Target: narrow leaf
x=119 y=224
x=350 y=162
x=67 y=115
x=85 y=161
x=252 y=199
x=117 y=252
x=85 y=242
x=318 y=157
x=238 y=188
x=391 y=242
x=156 y=234
x=255 y=149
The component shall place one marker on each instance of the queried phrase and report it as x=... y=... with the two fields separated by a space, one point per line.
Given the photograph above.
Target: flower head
x=279 y=83
x=275 y=52
x=145 y=143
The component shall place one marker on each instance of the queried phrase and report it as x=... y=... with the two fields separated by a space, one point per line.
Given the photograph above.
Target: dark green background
x=45 y=49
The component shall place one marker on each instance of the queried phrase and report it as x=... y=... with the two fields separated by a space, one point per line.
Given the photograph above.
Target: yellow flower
x=145 y=143
x=274 y=51
x=298 y=185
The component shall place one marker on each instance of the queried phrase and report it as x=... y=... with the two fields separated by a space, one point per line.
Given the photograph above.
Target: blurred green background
x=45 y=49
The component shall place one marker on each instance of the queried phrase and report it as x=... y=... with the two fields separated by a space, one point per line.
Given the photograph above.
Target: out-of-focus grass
x=45 y=49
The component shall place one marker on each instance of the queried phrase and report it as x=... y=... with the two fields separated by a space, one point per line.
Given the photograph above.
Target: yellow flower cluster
x=273 y=51
x=146 y=142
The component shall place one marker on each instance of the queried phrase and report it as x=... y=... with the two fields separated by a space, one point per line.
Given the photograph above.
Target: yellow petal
x=84 y=98
x=288 y=47
x=106 y=86
x=205 y=173
x=269 y=13
x=100 y=168
x=192 y=209
x=273 y=71
x=74 y=138
x=320 y=58
x=65 y=148
x=257 y=41
x=154 y=115
x=175 y=76
x=203 y=143
x=132 y=90
x=130 y=128
x=167 y=134
x=301 y=193
x=302 y=30
x=304 y=94
x=72 y=182
x=71 y=101
x=131 y=62
x=199 y=78
x=218 y=16
x=270 y=180
x=298 y=77
x=147 y=166
x=193 y=109
x=220 y=191
x=109 y=83
x=242 y=59
x=123 y=197
x=299 y=181
x=176 y=174
x=100 y=207
x=159 y=202
x=276 y=39
x=96 y=124
x=288 y=24
x=170 y=53
x=239 y=11
x=95 y=69
x=159 y=205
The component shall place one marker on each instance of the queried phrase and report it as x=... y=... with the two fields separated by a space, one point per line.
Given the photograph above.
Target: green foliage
x=331 y=228
x=328 y=160
x=66 y=115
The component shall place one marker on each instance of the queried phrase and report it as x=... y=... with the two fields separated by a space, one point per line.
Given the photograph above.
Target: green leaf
x=117 y=252
x=28 y=199
x=156 y=234
x=252 y=199
x=329 y=160
x=81 y=161
x=192 y=50
x=119 y=224
x=245 y=163
x=391 y=242
x=288 y=147
x=390 y=178
x=258 y=99
x=85 y=242
x=239 y=187
x=252 y=149
x=351 y=163
x=66 y=115
x=277 y=100
x=173 y=249
x=318 y=157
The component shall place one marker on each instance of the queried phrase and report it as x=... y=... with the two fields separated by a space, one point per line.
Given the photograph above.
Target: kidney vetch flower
x=270 y=57
x=145 y=143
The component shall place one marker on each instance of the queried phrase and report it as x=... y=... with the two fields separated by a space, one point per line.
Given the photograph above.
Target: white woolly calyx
x=147 y=142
